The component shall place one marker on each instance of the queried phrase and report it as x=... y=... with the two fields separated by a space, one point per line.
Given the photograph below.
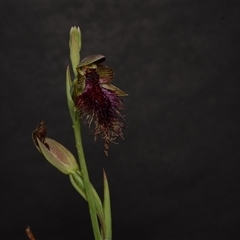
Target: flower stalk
x=75 y=47
x=85 y=176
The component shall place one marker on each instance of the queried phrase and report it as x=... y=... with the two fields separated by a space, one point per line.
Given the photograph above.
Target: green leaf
x=107 y=208
x=97 y=200
x=70 y=102
x=99 y=209
x=77 y=182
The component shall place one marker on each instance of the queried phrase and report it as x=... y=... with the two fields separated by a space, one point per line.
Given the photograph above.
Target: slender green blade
x=70 y=102
x=107 y=208
x=77 y=182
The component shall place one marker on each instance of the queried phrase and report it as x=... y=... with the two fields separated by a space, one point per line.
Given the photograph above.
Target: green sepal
x=96 y=58
x=118 y=91
x=106 y=73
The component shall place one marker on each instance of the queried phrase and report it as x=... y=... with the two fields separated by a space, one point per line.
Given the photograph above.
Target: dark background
x=176 y=175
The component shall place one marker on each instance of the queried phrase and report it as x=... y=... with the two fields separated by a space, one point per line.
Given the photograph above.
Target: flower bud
x=75 y=47
x=58 y=155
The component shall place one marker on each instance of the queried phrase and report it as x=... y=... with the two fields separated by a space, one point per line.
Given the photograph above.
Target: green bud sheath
x=75 y=44
x=58 y=156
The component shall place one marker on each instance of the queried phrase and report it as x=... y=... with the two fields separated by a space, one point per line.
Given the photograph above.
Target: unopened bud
x=75 y=47
x=59 y=156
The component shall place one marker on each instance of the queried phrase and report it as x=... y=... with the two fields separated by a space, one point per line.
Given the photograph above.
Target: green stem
x=84 y=171
x=77 y=182
x=83 y=166
x=78 y=187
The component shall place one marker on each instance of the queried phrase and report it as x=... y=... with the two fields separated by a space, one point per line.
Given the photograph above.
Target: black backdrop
x=176 y=174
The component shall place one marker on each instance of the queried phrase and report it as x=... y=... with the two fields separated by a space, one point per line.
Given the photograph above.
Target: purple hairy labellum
x=98 y=100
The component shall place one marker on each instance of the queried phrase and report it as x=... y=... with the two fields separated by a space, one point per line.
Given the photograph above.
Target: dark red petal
x=101 y=106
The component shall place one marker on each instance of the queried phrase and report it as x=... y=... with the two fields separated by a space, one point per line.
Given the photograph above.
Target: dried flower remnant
x=98 y=100
x=30 y=234
x=40 y=132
